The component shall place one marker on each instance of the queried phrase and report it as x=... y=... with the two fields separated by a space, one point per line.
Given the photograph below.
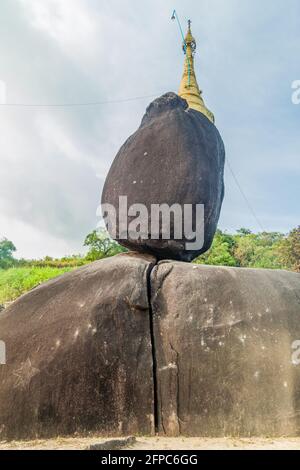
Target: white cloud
x=34 y=243
x=69 y=22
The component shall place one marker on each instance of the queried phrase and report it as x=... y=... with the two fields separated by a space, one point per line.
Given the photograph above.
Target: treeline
x=18 y=276
x=245 y=249
x=99 y=245
x=272 y=250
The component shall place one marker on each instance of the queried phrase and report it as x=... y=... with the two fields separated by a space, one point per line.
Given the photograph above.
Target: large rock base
x=128 y=346
x=79 y=354
x=223 y=343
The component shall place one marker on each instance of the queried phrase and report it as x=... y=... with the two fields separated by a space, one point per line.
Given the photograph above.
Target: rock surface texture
x=223 y=344
x=126 y=346
x=79 y=354
x=175 y=157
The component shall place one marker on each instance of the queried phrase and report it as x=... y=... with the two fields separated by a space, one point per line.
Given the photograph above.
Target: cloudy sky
x=53 y=161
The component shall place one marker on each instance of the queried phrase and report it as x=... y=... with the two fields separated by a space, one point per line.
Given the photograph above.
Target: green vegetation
x=244 y=249
x=101 y=246
x=7 y=249
x=19 y=276
x=16 y=281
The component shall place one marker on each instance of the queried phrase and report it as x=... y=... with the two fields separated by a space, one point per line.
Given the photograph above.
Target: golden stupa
x=189 y=88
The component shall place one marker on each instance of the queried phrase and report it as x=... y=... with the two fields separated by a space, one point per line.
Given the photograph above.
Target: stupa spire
x=189 y=89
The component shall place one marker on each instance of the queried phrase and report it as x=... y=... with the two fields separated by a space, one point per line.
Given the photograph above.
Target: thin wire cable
x=244 y=195
x=175 y=16
x=62 y=105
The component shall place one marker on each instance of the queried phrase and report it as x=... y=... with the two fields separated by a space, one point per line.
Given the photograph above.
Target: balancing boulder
x=175 y=157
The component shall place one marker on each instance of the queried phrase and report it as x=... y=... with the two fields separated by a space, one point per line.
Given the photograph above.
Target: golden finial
x=189 y=89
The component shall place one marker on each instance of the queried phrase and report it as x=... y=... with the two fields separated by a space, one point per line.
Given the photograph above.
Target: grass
x=17 y=281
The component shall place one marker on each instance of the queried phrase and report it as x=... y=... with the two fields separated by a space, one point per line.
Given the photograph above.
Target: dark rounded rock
x=175 y=157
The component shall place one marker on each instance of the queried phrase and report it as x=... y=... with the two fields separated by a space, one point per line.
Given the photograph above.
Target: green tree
x=245 y=249
x=258 y=250
x=220 y=253
x=244 y=231
x=289 y=250
x=101 y=245
x=7 y=248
